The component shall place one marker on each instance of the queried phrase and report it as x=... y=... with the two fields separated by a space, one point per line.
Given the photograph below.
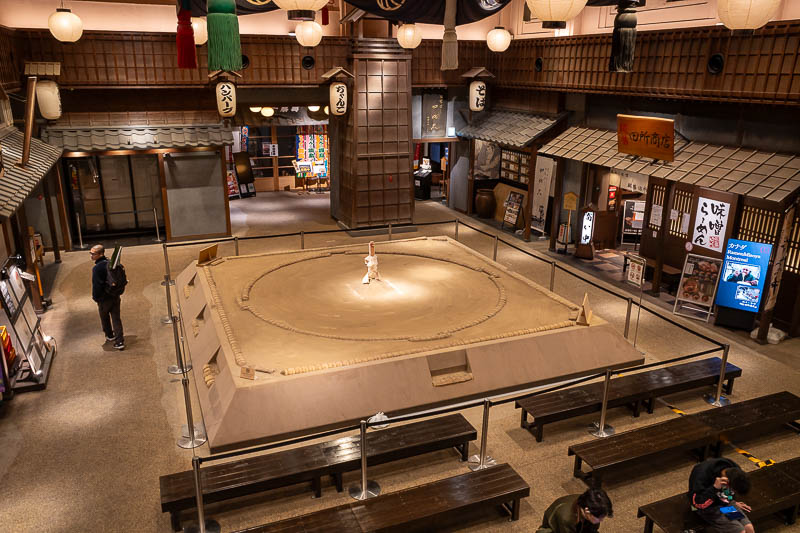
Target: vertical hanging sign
x=711 y=222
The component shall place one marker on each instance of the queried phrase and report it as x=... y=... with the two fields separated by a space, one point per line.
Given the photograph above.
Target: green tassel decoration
x=224 y=46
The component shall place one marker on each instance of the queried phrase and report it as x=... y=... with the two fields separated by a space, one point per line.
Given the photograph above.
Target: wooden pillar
x=555 y=219
x=662 y=237
x=526 y=232
x=471 y=177
x=162 y=178
x=50 y=220
x=62 y=208
x=7 y=237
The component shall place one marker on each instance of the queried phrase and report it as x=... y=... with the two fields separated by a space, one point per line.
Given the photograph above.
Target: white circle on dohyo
x=358 y=310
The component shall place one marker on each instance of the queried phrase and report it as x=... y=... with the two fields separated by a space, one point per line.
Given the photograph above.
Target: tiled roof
x=506 y=127
x=17 y=183
x=766 y=175
x=88 y=139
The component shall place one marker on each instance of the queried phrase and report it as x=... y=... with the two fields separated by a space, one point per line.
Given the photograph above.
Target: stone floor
x=85 y=454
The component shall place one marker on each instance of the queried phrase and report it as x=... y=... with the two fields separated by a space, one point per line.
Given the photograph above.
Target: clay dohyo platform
x=444 y=323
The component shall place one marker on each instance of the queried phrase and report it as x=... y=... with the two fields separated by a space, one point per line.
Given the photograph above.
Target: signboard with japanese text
x=711 y=220
x=656 y=212
x=587 y=227
x=699 y=280
x=743 y=274
x=632 y=181
x=646 y=136
x=570 y=201
x=636 y=267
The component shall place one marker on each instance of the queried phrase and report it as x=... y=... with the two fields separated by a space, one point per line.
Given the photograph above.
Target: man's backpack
x=115 y=279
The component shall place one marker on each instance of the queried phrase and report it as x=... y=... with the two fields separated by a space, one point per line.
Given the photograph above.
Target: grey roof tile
x=508 y=128
x=17 y=183
x=89 y=139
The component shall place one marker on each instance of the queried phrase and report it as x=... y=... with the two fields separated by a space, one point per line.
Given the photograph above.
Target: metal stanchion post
x=390 y=231
x=601 y=429
x=483 y=461
x=302 y=240
x=167 y=279
x=494 y=253
x=719 y=400
x=236 y=245
x=367 y=489
x=552 y=275
x=155 y=221
x=194 y=438
x=181 y=366
x=456 y=232
x=80 y=246
x=203 y=525
x=167 y=319
x=628 y=317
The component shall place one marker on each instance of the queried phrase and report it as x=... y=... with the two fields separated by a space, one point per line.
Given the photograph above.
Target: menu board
x=513 y=205
x=514 y=165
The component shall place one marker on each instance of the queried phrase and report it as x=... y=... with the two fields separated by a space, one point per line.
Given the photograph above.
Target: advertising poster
x=698 y=281
x=711 y=221
x=743 y=275
x=633 y=217
x=541 y=191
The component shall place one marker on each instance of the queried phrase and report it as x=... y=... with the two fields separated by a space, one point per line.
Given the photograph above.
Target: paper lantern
x=267 y=111
x=477 y=95
x=226 y=98
x=255 y=109
x=65 y=25
x=308 y=33
x=409 y=36
x=338 y=98
x=746 y=14
x=327 y=110
x=498 y=39
x=313 y=108
x=555 y=13
x=200 y=31
x=48 y=99
x=301 y=9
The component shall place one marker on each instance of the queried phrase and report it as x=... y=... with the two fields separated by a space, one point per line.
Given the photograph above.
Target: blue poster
x=743 y=274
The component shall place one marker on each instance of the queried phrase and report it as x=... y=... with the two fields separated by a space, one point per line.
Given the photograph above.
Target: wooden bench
x=247 y=476
x=775 y=489
x=700 y=431
x=633 y=390
x=416 y=508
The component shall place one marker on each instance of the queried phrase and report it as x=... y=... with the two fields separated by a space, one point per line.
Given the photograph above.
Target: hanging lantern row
x=301 y=9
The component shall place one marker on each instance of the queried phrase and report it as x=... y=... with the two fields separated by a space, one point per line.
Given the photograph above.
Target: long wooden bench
x=775 y=490
x=703 y=431
x=416 y=508
x=310 y=463
x=633 y=390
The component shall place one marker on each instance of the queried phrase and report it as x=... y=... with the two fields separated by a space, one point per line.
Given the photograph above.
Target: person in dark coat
x=577 y=513
x=713 y=484
x=107 y=304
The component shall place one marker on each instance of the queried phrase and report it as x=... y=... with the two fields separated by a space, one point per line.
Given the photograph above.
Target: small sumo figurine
x=372 y=265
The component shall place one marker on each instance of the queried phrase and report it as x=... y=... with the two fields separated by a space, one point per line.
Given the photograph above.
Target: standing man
x=713 y=485
x=107 y=304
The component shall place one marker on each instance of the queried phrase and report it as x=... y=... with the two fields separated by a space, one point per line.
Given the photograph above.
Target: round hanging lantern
x=308 y=33
x=226 y=98
x=200 y=31
x=301 y=9
x=555 y=13
x=338 y=98
x=477 y=95
x=499 y=39
x=746 y=14
x=48 y=99
x=409 y=36
x=267 y=111
x=255 y=109
x=313 y=108
x=65 y=25
x=327 y=110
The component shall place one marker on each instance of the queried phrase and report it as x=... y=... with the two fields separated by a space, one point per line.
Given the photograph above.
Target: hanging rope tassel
x=450 y=39
x=224 y=46
x=187 y=54
x=623 y=41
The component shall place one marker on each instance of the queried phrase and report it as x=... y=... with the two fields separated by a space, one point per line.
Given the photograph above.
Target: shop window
x=758 y=225
x=682 y=203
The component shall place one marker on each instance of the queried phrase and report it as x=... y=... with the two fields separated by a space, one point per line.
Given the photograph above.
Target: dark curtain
x=243 y=7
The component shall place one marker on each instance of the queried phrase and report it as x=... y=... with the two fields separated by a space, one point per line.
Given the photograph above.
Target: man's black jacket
x=99 y=275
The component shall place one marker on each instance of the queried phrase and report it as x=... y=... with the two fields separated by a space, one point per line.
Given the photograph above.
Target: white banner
x=711 y=220
x=542 y=179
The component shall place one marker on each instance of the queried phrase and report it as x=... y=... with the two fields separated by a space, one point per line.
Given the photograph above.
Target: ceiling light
x=301 y=9
x=200 y=29
x=308 y=33
x=498 y=39
x=313 y=108
x=409 y=36
x=65 y=25
x=267 y=111
x=255 y=109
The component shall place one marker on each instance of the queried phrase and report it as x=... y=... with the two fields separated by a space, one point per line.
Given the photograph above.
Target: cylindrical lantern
x=200 y=31
x=267 y=111
x=48 y=99
x=301 y=9
x=65 y=25
x=555 y=13
x=226 y=98
x=308 y=33
x=338 y=97
x=409 y=36
x=477 y=95
x=498 y=39
x=746 y=14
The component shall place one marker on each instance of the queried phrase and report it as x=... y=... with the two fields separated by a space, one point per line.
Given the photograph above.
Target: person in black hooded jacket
x=713 y=484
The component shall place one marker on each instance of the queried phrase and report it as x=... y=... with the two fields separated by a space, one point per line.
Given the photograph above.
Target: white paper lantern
x=65 y=25
x=409 y=36
x=49 y=99
x=477 y=95
x=308 y=33
x=267 y=111
x=499 y=39
x=200 y=29
x=558 y=11
x=301 y=9
x=746 y=14
x=226 y=98
x=338 y=98
x=313 y=108
x=255 y=109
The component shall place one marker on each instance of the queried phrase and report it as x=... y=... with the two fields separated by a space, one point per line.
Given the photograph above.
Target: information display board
x=698 y=284
x=743 y=275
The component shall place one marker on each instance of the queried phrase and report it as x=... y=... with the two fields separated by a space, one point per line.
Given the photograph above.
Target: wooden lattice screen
x=657 y=199
x=682 y=203
x=792 y=263
x=758 y=225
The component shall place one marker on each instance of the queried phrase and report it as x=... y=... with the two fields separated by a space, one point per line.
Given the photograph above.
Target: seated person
x=577 y=513
x=712 y=486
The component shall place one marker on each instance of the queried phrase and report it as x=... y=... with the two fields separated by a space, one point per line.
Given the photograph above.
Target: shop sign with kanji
x=646 y=136
x=711 y=220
